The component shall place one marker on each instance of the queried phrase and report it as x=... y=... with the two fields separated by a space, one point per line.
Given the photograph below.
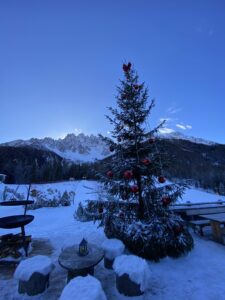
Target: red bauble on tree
x=166 y=201
x=109 y=174
x=161 y=179
x=136 y=86
x=128 y=174
x=146 y=161
x=177 y=229
x=134 y=189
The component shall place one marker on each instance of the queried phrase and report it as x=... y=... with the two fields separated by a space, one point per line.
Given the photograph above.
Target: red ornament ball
x=146 y=161
x=134 y=189
x=177 y=229
x=166 y=201
x=161 y=179
x=136 y=86
x=111 y=148
x=109 y=174
x=128 y=174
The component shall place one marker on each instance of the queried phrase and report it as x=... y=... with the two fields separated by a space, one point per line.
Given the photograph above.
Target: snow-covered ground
x=199 y=275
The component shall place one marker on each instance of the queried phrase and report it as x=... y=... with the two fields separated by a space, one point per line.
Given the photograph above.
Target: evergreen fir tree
x=135 y=173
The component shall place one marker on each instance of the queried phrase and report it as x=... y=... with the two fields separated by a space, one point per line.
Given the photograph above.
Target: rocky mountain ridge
x=86 y=148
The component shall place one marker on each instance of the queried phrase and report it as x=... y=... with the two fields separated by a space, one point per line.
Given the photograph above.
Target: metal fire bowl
x=15 y=221
x=17 y=202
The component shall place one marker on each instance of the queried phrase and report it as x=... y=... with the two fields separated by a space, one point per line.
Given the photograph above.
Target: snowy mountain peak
x=79 y=148
x=87 y=148
x=180 y=136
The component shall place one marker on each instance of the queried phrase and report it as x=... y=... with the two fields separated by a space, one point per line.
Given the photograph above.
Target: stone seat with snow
x=112 y=248
x=83 y=288
x=132 y=275
x=33 y=274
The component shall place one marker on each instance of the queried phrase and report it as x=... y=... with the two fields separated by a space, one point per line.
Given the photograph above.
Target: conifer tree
x=134 y=174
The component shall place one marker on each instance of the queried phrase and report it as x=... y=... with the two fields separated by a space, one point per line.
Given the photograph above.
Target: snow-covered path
x=199 y=275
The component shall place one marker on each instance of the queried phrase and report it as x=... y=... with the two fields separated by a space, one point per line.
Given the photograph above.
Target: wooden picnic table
x=216 y=220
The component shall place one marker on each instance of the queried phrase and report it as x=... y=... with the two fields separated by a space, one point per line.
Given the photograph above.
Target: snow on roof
x=39 y=263
x=113 y=248
x=136 y=267
x=83 y=288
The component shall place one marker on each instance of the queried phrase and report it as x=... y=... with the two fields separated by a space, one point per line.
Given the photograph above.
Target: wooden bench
x=194 y=219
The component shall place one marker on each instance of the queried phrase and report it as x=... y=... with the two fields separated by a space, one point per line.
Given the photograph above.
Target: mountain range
x=36 y=160
x=86 y=148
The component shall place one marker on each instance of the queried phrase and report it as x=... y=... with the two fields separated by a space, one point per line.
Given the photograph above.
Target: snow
x=112 y=248
x=198 y=195
x=136 y=267
x=199 y=275
x=78 y=148
x=180 y=136
x=83 y=288
x=2 y=187
x=39 y=263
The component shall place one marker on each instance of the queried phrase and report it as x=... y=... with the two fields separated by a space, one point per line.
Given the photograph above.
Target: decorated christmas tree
x=135 y=180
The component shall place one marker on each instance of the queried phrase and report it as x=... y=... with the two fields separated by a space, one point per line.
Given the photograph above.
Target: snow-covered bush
x=50 y=198
x=11 y=194
x=89 y=212
x=153 y=239
x=94 y=209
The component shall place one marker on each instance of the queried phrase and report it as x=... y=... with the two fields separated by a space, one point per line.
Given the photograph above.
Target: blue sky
x=60 y=62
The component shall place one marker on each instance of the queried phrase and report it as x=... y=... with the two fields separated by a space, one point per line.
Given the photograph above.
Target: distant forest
x=202 y=165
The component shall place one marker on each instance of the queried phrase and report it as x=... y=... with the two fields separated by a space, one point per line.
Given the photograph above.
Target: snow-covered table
x=77 y=265
x=216 y=220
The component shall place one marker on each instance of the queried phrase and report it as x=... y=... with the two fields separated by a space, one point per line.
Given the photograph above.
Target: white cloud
x=165 y=130
x=165 y=119
x=188 y=126
x=183 y=126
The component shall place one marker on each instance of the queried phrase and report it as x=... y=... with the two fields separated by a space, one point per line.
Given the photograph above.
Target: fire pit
x=15 y=221
x=16 y=202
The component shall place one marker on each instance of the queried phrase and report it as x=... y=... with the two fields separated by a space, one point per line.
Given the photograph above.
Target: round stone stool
x=112 y=248
x=132 y=275
x=83 y=288
x=33 y=275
